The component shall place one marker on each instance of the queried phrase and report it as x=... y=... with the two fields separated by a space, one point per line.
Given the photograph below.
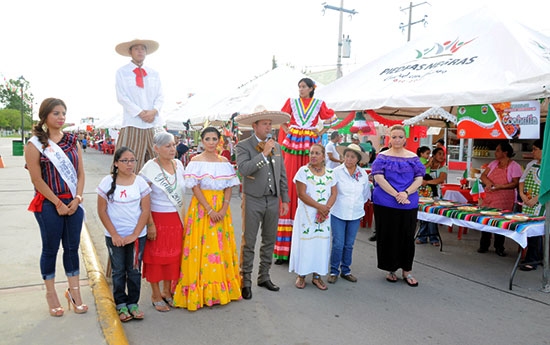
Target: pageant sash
x=60 y=161
x=152 y=171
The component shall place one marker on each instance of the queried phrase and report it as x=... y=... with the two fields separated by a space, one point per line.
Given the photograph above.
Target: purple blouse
x=400 y=173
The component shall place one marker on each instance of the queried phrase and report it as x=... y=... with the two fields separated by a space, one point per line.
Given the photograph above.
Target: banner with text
x=508 y=120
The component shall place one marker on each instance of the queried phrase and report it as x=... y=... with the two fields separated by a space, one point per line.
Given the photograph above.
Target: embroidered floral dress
x=209 y=263
x=310 y=250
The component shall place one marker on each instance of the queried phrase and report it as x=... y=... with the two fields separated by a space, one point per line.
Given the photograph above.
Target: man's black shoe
x=269 y=285
x=372 y=238
x=279 y=262
x=247 y=292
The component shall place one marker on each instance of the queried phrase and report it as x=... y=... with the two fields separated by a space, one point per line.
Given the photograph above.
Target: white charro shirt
x=353 y=193
x=331 y=148
x=135 y=99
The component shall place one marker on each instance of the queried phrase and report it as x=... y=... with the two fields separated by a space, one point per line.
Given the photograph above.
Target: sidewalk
x=25 y=318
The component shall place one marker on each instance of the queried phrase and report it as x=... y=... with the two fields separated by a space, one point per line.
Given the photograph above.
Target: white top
x=210 y=175
x=331 y=147
x=310 y=248
x=353 y=192
x=159 y=200
x=526 y=171
x=134 y=99
x=125 y=208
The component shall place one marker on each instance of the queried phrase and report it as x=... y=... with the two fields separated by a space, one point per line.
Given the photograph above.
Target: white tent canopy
x=271 y=90
x=74 y=128
x=192 y=109
x=477 y=59
x=114 y=121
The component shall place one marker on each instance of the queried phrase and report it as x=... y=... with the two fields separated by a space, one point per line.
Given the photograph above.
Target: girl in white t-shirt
x=124 y=205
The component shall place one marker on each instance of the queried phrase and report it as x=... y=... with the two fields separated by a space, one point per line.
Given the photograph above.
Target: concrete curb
x=106 y=310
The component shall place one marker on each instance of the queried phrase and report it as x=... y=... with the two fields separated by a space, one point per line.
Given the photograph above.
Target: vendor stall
x=461 y=64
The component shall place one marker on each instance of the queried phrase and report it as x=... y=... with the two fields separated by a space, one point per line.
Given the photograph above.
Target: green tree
x=11 y=119
x=10 y=95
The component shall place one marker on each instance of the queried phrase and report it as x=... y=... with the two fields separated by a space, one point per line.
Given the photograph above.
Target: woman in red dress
x=297 y=137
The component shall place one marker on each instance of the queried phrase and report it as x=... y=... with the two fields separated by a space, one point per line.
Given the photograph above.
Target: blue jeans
x=125 y=274
x=55 y=229
x=343 y=237
x=428 y=230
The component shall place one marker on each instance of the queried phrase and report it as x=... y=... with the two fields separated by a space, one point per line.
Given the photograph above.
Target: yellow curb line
x=105 y=305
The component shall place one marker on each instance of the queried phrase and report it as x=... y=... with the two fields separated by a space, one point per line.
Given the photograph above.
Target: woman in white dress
x=316 y=189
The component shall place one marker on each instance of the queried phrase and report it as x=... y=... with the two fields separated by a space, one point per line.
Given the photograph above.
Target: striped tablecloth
x=451 y=215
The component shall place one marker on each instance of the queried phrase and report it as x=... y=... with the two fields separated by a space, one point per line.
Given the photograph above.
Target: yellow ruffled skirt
x=209 y=272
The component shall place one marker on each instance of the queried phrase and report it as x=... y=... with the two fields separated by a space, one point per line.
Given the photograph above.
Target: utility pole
x=21 y=85
x=340 y=9
x=411 y=23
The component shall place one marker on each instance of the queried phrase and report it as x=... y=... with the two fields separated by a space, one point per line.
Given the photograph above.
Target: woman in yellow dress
x=209 y=264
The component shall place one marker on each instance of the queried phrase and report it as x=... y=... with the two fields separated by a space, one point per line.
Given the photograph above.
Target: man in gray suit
x=263 y=173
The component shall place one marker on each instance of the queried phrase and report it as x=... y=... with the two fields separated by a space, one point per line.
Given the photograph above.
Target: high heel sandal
x=55 y=312
x=78 y=309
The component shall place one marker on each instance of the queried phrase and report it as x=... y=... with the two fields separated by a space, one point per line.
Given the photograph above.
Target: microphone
x=269 y=137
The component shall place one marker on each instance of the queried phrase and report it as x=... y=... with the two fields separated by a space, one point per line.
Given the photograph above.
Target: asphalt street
x=463 y=296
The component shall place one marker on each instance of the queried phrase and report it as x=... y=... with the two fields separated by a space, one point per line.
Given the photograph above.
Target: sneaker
x=349 y=277
x=332 y=279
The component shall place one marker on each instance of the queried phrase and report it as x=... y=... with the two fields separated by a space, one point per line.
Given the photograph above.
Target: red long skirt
x=295 y=145
x=161 y=257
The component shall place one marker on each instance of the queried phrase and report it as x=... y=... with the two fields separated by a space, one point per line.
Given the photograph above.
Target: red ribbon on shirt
x=140 y=73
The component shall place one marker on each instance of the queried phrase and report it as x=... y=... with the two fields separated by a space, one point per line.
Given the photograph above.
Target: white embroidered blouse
x=210 y=175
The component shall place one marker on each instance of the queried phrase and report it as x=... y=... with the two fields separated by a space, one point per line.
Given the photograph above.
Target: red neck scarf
x=140 y=73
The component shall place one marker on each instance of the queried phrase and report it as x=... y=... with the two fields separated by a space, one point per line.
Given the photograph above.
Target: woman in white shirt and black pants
x=353 y=191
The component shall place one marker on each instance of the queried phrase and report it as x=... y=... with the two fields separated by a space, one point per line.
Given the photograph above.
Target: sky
x=65 y=49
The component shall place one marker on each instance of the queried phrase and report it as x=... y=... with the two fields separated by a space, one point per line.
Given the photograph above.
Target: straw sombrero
x=124 y=47
x=261 y=113
x=354 y=147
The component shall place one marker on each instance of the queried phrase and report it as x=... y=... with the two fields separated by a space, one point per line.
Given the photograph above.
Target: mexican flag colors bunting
x=477 y=191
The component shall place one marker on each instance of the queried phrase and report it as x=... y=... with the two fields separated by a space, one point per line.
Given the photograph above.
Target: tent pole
x=546 y=268
x=447 y=146
x=469 y=157
x=461 y=151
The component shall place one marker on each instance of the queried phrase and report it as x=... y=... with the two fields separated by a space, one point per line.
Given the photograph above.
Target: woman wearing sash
x=209 y=264
x=162 y=253
x=54 y=161
x=301 y=133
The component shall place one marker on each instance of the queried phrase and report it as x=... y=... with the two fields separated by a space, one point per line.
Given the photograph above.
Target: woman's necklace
x=173 y=185
x=317 y=170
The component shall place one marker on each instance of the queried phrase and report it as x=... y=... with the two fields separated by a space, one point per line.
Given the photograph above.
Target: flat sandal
x=317 y=281
x=301 y=282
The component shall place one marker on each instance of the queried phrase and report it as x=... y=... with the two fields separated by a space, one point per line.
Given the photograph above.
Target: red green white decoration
x=477 y=191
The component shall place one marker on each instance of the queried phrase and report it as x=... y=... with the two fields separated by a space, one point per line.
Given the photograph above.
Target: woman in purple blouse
x=397 y=174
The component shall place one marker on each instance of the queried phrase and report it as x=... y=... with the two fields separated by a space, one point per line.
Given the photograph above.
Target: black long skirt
x=395 y=230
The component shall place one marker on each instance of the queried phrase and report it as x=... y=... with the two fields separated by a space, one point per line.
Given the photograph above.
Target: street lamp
x=21 y=85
